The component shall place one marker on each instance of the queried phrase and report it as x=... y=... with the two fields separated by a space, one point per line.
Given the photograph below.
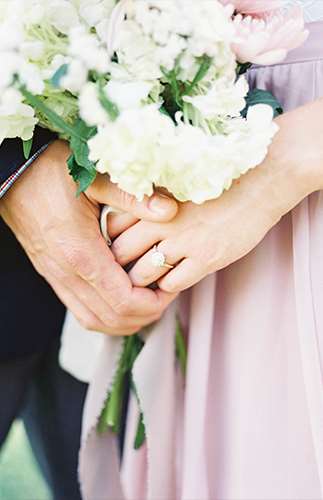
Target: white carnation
x=252 y=136
x=224 y=98
x=90 y=108
x=128 y=149
x=16 y=118
x=201 y=166
x=128 y=95
x=196 y=158
x=31 y=77
x=94 y=11
x=62 y=14
x=13 y=64
x=75 y=77
x=176 y=32
x=87 y=48
x=136 y=55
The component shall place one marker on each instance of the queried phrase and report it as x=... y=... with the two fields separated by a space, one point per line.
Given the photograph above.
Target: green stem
x=181 y=350
x=112 y=411
x=114 y=405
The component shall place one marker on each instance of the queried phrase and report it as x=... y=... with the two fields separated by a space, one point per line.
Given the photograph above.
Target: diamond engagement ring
x=158 y=259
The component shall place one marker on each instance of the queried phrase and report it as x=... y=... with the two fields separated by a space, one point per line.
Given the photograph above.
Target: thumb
x=157 y=208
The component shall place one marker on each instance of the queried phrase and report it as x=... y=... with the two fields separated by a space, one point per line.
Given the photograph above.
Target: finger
x=117 y=223
x=156 y=208
x=86 y=294
x=94 y=263
x=183 y=276
x=157 y=300
x=88 y=319
x=145 y=272
x=81 y=312
x=135 y=242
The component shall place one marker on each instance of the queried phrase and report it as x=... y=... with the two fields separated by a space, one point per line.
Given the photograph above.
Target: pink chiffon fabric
x=249 y=423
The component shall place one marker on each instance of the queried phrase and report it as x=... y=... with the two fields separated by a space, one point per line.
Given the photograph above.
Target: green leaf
x=171 y=78
x=206 y=62
x=53 y=117
x=81 y=175
x=58 y=75
x=27 y=145
x=242 y=68
x=83 y=130
x=102 y=425
x=140 y=434
x=259 y=96
x=81 y=148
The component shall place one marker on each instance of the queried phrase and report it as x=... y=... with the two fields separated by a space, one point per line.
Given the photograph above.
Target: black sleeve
x=12 y=155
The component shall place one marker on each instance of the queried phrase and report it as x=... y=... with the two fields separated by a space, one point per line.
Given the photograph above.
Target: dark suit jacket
x=30 y=313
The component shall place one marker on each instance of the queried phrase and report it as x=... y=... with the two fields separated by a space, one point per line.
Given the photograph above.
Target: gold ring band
x=158 y=259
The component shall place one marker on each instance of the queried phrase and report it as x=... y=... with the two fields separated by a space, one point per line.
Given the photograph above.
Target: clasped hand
x=202 y=239
x=61 y=236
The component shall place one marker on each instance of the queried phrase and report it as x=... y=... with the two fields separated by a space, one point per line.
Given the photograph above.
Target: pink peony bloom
x=254 y=7
x=268 y=40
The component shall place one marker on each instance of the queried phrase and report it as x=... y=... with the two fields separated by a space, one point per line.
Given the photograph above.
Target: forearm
x=293 y=168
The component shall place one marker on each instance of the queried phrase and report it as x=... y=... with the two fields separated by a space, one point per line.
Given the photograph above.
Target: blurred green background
x=20 y=478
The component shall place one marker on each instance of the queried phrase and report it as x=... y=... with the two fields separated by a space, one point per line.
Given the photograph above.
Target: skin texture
x=60 y=234
x=203 y=239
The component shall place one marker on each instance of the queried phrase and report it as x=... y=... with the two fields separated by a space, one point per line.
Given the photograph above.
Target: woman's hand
x=158 y=208
x=205 y=238
x=201 y=240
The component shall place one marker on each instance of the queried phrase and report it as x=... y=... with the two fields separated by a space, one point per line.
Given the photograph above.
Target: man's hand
x=61 y=235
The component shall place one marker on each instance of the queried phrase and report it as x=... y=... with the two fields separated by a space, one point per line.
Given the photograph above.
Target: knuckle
x=81 y=263
x=40 y=268
x=128 y=201
x=118 y=250
x=112 y=290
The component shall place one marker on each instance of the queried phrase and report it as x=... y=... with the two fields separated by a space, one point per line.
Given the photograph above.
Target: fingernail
x=159 y=204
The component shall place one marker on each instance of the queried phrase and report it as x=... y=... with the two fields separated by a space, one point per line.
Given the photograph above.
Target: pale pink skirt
x=250 y=422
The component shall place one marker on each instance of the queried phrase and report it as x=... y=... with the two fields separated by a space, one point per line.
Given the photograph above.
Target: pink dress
x=249 y=424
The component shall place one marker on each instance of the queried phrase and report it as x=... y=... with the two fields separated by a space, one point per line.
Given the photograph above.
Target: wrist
x=23 y=191
x=293 y=168
x=298 y=147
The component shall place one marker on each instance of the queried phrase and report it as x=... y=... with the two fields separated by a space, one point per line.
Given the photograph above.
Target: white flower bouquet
x=151 y=93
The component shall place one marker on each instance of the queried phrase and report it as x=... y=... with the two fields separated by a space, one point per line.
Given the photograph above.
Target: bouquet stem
x=114 y=406
x=181 y=350
x=111 y=415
